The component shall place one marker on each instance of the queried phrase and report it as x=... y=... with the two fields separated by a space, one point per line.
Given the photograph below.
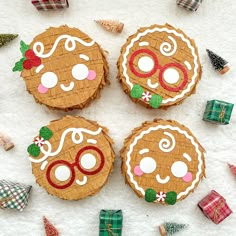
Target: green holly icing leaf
x=23 y=47
x=45 y=133
x=155 y=101
x=150 y=195
x=33 y=150
x=171 y=198
x=136 y=91
x=19 y=65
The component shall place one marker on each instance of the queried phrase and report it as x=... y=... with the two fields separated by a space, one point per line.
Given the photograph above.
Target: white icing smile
x=67 y=88
x=151 y=85
x=162 y=181
x=83 y=182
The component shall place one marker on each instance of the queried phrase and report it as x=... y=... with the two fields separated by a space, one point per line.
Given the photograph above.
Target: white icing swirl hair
x=167 y=145
x=70 y=45
x=166 y=48
x=76 y=137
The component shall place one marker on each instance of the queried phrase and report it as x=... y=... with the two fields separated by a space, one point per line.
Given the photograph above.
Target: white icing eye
x=147 y=165
x=145 y=64
x=62 y=173
x=88 y=161
x=179 y=169
x=80 y=72
x=49 y=80
x=171 y=76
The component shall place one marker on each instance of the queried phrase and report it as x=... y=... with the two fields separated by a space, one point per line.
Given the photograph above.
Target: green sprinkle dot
x=155 y=101
x=136 y=91
x=150 y=195
x=171 y=198
x=45 y=133
x=33 y=150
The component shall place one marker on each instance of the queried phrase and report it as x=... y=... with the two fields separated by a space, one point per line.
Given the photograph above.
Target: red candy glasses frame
x=71 y=166
x=155 y=68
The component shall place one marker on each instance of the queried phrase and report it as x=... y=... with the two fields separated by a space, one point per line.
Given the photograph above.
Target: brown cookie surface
x=72 y=157
x=162 y=161
x=159 y=66
x=71 y=71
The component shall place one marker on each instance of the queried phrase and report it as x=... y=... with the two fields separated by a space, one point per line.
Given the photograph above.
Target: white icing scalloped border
x=156 y=29
x=140 y=136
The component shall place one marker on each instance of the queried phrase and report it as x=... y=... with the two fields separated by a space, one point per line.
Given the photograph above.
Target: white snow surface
x=213 y=26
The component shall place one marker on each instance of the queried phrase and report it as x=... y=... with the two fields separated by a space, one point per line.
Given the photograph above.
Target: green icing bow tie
x=137 y=92
x=150 y=196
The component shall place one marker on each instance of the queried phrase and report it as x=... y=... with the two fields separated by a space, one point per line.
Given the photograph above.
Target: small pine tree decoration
x=170 y=228
x=6 y=38
x=111 y=25
x=50 y=229
x=218 y=62
x=232 y=168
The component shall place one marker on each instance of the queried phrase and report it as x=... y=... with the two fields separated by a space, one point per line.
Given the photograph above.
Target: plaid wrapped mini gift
x=50 y=4
x=218 y=112
x=191 y=5
x=111 y=222
x=215 y=207
x=14 y=195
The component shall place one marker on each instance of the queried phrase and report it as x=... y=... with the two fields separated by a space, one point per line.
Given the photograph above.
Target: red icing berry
x=27 y=64
x=36 y=61
x=29 y=54
x=32 y=60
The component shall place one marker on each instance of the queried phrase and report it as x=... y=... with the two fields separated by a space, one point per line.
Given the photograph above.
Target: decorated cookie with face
x=163 y=162
x=159 y=66
x=63 y=68
x=72 y=157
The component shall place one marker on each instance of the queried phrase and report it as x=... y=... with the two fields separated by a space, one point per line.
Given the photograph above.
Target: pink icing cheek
x=91 y=75
x=137 y=171
x=42 y=89
x=188 y=177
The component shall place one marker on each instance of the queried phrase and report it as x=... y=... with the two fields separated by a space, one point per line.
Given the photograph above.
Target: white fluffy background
x=212 y=26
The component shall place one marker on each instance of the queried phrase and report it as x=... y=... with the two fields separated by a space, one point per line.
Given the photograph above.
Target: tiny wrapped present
x=218 y=112
x=50 y=4
x=14 y=195
x=214 y=207
x=111 y=222
x=191 y=5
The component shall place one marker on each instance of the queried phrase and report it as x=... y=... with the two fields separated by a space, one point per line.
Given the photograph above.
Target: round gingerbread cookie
x=63 y=68
x=162 y=161
x=159 y=66
x=72 y=157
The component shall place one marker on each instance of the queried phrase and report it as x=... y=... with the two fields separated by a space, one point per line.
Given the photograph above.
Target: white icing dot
x=80 y=72
x=49 y=80
x=145 y=64
x=171 y=76
x=148 y=165
x=179 y=169
x=88 y=161
x=62 y=173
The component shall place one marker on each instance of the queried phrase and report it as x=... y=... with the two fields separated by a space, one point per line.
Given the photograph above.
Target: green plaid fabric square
x=16 y=195
x=111 y=222
x=218 y=112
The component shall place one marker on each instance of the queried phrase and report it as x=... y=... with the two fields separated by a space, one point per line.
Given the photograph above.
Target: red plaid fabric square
x=215 y=207
x=50 y=4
